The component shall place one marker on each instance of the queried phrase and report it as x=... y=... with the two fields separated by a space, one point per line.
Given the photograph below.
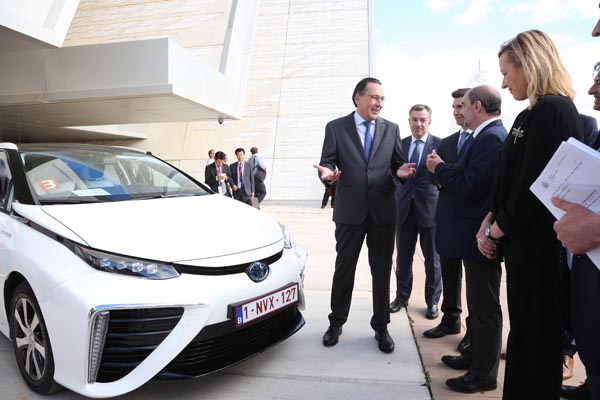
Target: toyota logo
x=258 y=271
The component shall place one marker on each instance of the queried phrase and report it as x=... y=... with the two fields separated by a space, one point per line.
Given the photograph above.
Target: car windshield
x=88 y=175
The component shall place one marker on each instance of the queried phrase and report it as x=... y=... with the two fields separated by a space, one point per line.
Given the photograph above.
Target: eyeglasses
x=375 y=97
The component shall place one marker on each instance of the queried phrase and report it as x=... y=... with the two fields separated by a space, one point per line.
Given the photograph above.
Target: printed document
x=572 y=174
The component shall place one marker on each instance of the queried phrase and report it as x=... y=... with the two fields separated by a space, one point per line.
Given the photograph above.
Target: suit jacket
x=418 y=187
x=247 y=177
x=364 y=187
x=447 y=150
x=590 y=130
x=210 y=177
x=464 y=201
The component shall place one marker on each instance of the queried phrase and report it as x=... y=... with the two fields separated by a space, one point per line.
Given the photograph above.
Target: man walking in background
x=243 y=178
x=260 y=173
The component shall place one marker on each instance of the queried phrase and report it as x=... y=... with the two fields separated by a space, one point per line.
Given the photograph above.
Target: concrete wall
x=306 y=57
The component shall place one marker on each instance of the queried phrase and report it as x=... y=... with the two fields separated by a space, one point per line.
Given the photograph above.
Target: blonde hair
x=545 y=72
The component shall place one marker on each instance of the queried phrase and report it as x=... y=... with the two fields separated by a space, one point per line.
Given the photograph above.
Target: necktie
x=240 y=175
x=461 y=141
x=368 y=139
x=468 y=143
x=414 y=157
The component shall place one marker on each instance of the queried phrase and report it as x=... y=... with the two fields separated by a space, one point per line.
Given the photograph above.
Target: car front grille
x=221 y=345
x=228 y=270
x=132 y=335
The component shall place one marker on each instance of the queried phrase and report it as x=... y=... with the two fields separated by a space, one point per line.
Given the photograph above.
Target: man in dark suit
x=579 y=231
x=364 y=153
x=416 y=201
x=462 y=206
x=217 y=176
x=242 y=175
x=450 y=151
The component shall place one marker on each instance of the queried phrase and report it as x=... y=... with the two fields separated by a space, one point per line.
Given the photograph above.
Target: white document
x=573 y=174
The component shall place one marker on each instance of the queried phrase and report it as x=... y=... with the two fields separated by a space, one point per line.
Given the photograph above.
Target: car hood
x=179 y=229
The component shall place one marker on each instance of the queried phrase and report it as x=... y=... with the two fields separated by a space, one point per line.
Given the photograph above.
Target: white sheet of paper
x=571 y=174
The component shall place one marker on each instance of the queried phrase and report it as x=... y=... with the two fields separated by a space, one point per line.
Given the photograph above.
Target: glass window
x=94 y=174
x=5 y=180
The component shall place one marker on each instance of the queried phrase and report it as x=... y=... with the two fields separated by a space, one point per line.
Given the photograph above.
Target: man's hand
x=432 y=161
x=327 y=174
x=406 y=170
x=578 y=229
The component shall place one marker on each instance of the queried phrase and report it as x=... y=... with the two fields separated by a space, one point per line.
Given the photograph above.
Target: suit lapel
x=426 y=150
x=354 y=138
x=380 y=127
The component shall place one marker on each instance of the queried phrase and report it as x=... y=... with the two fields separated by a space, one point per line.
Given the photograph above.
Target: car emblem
x=258 y=271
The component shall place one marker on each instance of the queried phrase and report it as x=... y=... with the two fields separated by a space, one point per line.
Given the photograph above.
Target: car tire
x=31 y=342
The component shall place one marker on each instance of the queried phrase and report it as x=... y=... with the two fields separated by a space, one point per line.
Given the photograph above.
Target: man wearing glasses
x=364 y=154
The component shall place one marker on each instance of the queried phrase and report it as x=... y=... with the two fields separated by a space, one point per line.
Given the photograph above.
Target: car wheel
x=30 y=341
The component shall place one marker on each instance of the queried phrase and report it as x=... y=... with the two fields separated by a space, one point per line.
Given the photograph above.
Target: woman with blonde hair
x=520 y=225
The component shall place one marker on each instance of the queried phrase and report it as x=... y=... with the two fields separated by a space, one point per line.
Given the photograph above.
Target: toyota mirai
x=115 y=269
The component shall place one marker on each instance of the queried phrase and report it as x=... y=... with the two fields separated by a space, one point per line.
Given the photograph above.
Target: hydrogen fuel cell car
x=117 y=268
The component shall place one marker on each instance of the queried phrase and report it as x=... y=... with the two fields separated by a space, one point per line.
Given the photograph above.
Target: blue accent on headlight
x=126 y=265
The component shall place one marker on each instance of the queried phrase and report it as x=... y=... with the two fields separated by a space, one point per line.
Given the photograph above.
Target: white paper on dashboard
x=573 y=174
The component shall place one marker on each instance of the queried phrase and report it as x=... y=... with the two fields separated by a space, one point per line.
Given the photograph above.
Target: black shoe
x=432 y=312
x=386 y=343
x=442 y=330
x=581 y=392
x=465 y=344
x=397 y=305
x=330 y=338
x=469 y=383
x=457 y=362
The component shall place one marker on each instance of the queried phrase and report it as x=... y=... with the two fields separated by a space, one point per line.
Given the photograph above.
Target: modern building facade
x=180 y=77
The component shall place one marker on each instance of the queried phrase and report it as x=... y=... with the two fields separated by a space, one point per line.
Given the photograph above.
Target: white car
x=117 y=268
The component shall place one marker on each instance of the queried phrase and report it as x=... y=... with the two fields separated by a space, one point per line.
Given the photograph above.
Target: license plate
x=258 y=308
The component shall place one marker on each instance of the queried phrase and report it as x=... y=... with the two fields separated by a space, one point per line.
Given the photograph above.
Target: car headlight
x=287 y=241
x=126 y=265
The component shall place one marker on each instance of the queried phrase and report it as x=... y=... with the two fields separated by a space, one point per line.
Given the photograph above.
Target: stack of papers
x=573 y=174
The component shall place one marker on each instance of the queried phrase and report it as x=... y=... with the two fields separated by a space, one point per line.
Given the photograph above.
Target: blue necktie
x=414 y=157
x=468 y=143
x=368 y=139
x=463 y=136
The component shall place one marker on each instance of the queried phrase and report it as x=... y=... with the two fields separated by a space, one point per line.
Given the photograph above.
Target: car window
x=5 y=181
x=90 y=175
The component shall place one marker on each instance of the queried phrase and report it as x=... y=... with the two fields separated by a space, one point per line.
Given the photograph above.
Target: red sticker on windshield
x=48 y=184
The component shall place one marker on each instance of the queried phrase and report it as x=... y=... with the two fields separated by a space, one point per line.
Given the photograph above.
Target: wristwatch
x=488 y=234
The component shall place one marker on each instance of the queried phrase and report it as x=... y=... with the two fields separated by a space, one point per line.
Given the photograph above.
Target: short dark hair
x=362 y=86
x=253 y=150
x=219 y=155
x=240 y=149
x=458 y=93
x=420 y=107
x=488 y=96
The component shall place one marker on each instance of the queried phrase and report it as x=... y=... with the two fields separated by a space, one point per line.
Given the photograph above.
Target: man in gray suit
x=416 y=200
x=364 y=154
x=243 y=178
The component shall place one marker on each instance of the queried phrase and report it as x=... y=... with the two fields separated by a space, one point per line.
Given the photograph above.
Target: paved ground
x=301 y=368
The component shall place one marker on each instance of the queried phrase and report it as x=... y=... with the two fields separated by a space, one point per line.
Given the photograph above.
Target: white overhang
x=92 y=92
